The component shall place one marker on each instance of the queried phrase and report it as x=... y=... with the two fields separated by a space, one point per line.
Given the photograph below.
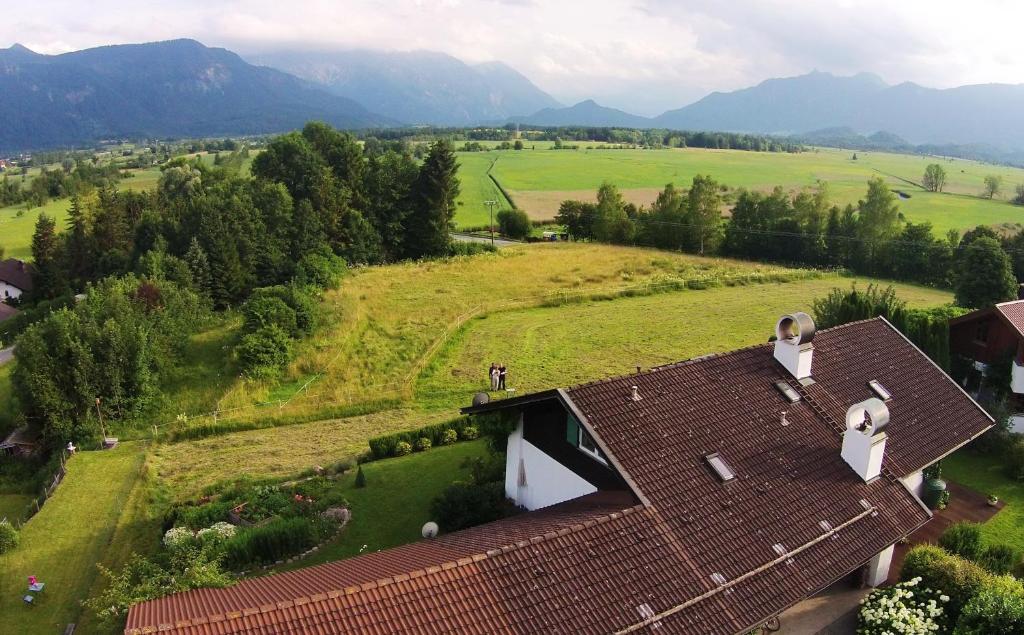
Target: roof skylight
x=879 y=390
x=720 y=467
x=787 y=391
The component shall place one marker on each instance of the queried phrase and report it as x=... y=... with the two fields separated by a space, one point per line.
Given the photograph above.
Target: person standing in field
x=501 y=376
x=493 y=374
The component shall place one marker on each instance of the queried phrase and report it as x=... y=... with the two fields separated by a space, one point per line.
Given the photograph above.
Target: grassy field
x=14 y=506
x=384 y=320
x=985 y=474
x=62 y=543
x=475 y=188
x=545 y=347
x=395 y=503
x=538 y=180
x=187 y=467
x=17 y=225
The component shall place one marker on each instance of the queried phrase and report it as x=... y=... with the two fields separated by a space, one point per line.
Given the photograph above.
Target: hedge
x=264 y=544
x=385 y=446
x=957 y=577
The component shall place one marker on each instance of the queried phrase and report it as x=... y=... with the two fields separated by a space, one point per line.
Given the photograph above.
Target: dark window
x=981 y=333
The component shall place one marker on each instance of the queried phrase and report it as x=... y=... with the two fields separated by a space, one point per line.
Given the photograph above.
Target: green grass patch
x=395 y=503
x=187 y=467
x=63 y=542
x=986 y=474
x=13 y=507
x=575 y=173
x=545 y=347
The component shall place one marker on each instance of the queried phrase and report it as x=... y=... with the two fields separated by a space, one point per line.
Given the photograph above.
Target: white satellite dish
x=430 y=529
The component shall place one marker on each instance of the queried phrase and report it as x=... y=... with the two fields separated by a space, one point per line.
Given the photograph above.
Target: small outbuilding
x=20 y=442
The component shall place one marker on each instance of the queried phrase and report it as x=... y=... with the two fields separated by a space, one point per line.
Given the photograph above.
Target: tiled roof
x=16 y=273
x=700 y=556
x=1014 y=314
x=7 y=311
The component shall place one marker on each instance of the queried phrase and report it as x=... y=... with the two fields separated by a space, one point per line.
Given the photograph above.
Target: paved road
x=471 y=238
x=6 y=355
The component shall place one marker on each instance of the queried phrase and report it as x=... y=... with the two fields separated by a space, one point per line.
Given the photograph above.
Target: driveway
x=6 y=355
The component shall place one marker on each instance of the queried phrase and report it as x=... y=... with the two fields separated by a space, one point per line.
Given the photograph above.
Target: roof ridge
x=388 y=580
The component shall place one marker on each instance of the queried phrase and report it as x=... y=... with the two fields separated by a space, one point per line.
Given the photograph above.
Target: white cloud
x=640 y=55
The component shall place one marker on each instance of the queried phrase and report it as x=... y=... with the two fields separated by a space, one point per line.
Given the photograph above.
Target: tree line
x=807 y=229
x=151 y=263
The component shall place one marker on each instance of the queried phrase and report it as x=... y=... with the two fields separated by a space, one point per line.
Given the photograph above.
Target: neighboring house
x=991 y=338
x=15 y=278
x=702 y=497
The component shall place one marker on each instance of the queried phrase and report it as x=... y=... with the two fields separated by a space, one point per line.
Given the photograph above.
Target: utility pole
x=490 y=206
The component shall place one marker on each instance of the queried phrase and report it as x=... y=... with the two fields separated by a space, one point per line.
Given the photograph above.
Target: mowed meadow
x=539 y=179
x=558 y=313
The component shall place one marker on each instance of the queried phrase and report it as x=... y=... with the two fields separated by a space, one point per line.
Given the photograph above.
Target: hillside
x=418 y=87
x=585 y=113
x=986 y=113
x=178 y=88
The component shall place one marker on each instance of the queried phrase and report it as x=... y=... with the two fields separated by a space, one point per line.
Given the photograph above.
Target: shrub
x=197 y=517
x=464 y=505
x=384 y=446
x=469 y=433
x=449 y=437
x=904 y=608
x=178 y=537
x=278 y=539
x=997 y=608
x=958 y=578
x=8 y=536
x=999 y=559
x=962 y=539
x=216 y=534
x=265 y=310
x=265 y=352
x=360 y=478
x=1013 y=461
x=514 y=223
x=320 y=269
x=402 y=448
x=422 y=443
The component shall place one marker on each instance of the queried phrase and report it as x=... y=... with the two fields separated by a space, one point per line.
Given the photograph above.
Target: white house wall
x=915 y=482
x=534 y=480
x=8 y=291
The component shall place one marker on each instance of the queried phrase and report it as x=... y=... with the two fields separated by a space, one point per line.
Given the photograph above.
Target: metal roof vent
x=793 y=348
x=780 y=550
x=721 y=468
x=646 y=613
x=827 y=526
x=879 y=390
x=635 y=393
x=718 y=579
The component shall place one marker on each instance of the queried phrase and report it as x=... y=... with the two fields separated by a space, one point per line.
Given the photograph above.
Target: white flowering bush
x=178 y=537
x=905 y=609
x=216 y=533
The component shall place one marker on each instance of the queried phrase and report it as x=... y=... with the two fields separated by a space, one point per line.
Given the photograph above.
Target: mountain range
x=178 y=88
x=181 y=88
x=420 y=87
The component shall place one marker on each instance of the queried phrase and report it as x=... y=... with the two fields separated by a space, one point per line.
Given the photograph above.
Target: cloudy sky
x=641 y=55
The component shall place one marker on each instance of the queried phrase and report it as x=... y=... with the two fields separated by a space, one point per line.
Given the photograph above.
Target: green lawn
x=985 y=474
x=17 y=225
x=185 y=468
x=542 y=178
x=475 y=187
x=395 y=503
x=14 y=506
x=546 y=347
x=63 y=542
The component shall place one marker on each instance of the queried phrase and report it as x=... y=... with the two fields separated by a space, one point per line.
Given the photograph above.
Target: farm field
x=62 y=543
x=538 y=180
x=547 y=347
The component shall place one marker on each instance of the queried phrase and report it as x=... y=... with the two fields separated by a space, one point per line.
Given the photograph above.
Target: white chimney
x=793 y=348
x=864 y=438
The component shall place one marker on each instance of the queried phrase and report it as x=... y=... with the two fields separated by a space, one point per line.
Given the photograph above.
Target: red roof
x=698 y=555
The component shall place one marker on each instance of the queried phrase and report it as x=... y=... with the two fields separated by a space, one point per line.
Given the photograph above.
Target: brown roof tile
x=16 y=273
x=699 y=556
